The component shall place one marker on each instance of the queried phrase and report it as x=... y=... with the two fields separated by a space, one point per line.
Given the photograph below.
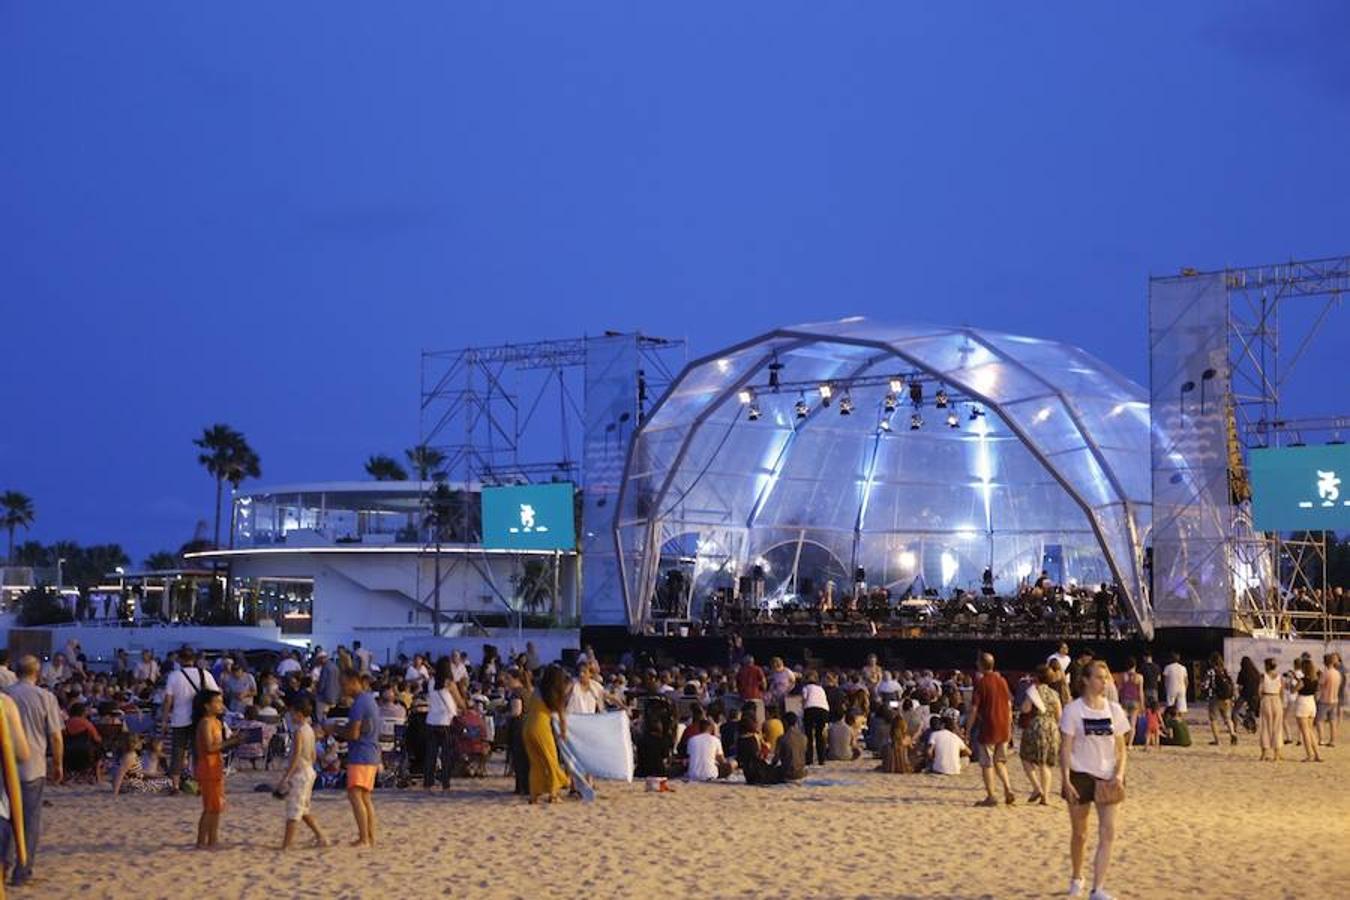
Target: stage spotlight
x=846 y=405
x=774 y=368
x=916 y=393
x=897 y=384
x=746 y=395
x=889 y=403
x=940 y=399
x=885 y=424
x=952 y=420
x=753 y=413
x=826 y=392
x=915 y=422
x=801 y=407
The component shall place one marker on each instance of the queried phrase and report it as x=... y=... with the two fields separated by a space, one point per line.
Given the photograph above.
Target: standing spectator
x=41 y=718
x=443 y=705
x=781 y=680
x=1329 y=699
x=1062 y=655
x=1092 y=770
x=180 y=693
x=815 y=718
x=241 y=688
x=1131 y=694
x=328 y=689
x=1152 y=676
x=1305 y=710
x=362 y=734
x=1175 y=680
x=750 y=684
x=1039 y=748
x=7 y=677
x=1249 y=692
x=13 y=749
x=991 y=729
x=1219 y=691
x=147 y=669
x=288 y=664
x=1272 y=711
x=363 y=658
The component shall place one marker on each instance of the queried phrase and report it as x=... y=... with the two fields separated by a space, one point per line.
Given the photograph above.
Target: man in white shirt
x=417 y=673
x=587 y=695
x=363 y=657
x=459 y=667
x=181 y=688
x=706 y=762
x=289 y=664
x=1174 y=683
x=7 y=677
x=1061 y=656
x=147 y=668
x=945 y=749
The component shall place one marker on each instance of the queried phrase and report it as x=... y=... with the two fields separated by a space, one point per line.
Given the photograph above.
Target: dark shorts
x=1085 y=785
x=180 y=747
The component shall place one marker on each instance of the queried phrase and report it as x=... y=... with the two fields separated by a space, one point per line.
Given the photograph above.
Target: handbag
x=1108 y=791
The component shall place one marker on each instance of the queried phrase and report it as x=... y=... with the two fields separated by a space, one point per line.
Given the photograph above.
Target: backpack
x=1223 y=685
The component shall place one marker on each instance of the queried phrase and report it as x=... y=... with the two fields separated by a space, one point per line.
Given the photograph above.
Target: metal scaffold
x=1276 y=314
x=517 y=414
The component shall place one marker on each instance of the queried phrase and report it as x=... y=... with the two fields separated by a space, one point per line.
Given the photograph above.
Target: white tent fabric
x=603 y=744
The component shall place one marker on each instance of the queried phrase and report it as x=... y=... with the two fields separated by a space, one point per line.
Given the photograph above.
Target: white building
x=331 y=561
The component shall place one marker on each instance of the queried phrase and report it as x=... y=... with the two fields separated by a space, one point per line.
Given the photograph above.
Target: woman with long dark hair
x=547 y=778
x=1305 y=710
x=1271 y=727
x=1039 y=747
x=1249 y=693
x=443 y=705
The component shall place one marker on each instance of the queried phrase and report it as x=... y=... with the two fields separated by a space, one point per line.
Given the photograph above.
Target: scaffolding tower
x=518 y=414
x=1224 y=346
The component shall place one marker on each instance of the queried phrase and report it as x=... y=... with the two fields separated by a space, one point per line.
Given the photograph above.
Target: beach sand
x=1203 y=821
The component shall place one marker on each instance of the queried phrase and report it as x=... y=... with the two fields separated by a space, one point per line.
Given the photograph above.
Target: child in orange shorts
x=209 y=765
x=1153 y=728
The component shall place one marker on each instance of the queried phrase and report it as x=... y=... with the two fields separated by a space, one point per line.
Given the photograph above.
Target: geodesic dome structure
x=1038 y=458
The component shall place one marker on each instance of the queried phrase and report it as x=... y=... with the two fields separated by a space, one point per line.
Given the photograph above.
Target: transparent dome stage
x=939 y=452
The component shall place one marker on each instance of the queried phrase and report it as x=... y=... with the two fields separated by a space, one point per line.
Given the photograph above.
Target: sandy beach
x=1203 y=821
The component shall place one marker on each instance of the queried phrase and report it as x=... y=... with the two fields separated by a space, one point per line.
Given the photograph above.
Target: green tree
x=385 y=468
x=426 y=461
x=161 y=560
x=16 y=511
x=226 y=456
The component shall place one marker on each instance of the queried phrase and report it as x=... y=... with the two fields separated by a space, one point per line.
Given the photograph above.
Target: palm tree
x=161 y=560
x=426 y=461
x=227 y=457
x=16 y=511
x=385 y=468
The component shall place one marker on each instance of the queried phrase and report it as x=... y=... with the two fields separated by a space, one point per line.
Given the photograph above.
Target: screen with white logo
x=1301 y=488
x=529 y=517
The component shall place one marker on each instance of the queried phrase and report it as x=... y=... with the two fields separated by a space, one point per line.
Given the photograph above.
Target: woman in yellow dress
x=547 y=777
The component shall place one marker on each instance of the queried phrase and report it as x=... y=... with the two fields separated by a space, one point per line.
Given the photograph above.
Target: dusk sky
x=260 y=214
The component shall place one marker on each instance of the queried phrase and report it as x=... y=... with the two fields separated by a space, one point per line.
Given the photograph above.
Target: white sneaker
x=1076 y=886
x=1100 y=894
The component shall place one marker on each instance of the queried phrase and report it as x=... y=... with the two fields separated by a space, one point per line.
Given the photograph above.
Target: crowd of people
x=342 y=721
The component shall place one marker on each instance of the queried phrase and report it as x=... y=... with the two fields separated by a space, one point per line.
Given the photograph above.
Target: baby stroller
x=471 y=742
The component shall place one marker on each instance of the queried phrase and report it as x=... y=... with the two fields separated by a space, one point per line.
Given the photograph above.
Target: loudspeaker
x=859 y=575
x=806 y=587
x=746 y=585
x=757 y=572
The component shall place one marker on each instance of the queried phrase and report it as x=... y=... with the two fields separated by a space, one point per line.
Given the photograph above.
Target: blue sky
x=261 y=213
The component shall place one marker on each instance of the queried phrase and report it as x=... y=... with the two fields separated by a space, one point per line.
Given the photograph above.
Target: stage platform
x=894 y=653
